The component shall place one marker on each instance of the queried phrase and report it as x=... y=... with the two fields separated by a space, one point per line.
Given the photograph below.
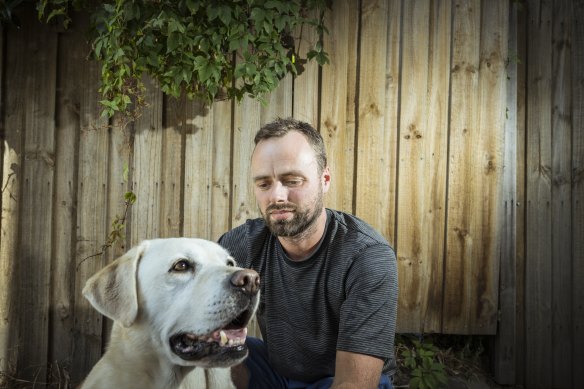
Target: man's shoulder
x=251 y=229
x=245 y=241
x=353 y=227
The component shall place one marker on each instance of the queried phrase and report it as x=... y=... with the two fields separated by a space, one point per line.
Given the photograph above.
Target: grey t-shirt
x=343 y=297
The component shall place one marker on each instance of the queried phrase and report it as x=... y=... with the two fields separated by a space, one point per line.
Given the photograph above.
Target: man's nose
x=278 y=193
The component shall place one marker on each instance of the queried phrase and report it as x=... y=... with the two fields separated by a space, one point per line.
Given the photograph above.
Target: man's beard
x=301 y=221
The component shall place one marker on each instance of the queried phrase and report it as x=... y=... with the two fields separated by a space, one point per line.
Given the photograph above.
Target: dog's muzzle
x=226 y=344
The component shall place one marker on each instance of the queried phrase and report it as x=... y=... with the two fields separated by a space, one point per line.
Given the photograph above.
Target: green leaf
x=225 y=14
x=322 y=58
x=424 y=384
x=119 y=54
x=205 y=73
x=107 y=103
x=130 y=197
x=427 y=363
x=274 y=4
x=415 y=383
x=54 y=13
x=442 y=378
x=213 y=12
x=193 y=6
x=258 y=15
x=280 y=22
x=98 y=44
x=173 y=41
x=431 y=381
x=437 y=367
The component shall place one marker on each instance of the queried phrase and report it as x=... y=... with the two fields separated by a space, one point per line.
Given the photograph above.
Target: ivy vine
x=205 y=49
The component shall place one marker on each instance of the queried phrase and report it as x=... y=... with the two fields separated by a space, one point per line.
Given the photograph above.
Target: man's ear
x=113 y=291
x=326 y=179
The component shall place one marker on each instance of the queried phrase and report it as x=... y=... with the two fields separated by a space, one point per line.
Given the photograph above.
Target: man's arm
x=356 y=371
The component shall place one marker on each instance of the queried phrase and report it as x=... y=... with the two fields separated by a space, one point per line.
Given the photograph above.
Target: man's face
x=287 y=185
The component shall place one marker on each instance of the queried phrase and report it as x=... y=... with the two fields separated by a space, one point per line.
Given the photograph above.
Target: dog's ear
x=113 y=291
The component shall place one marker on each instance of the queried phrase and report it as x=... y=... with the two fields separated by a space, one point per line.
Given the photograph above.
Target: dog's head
x=187 y=295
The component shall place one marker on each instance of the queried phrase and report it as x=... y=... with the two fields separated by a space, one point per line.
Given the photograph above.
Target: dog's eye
x=230 y=262
x=182 y=266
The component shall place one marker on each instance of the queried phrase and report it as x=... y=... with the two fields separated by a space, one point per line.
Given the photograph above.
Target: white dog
x=180 y=309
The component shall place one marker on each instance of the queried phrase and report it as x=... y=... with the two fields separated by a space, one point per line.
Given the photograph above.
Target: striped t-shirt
x=343 y=297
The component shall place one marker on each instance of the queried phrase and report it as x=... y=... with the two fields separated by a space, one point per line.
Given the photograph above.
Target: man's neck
x=300 y=247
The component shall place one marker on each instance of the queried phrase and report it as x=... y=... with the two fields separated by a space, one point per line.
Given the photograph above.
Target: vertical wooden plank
x=492 y=110
x=463 y=137
x=520 y=269
x=561 y=206
x=279 y=102
x=172 y=173
x=198 y=170
x=538 y=252
x=337 y=123
x=119 y=182
x=246 y=124
x=476 y=169
x=305 y=98
x=505 y=352
x=422 y=163
x=92 y=219
x=392 y=104
x=373 y=143
x=222 y=151
x=577 y=193
x=118 y=185
x=147 y=168
x=244 y=206
x=72 y=66
x=12 y=135
x=39 y=51
x=207 y=191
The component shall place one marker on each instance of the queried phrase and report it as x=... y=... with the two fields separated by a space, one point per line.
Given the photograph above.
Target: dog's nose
x=246 y=279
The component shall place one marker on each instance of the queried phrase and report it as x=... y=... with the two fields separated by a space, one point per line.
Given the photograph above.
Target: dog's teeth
x=223 y=338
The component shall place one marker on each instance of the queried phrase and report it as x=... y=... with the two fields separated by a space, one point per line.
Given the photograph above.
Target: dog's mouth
x=224 y=344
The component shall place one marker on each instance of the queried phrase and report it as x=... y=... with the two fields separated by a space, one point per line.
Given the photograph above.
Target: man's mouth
x=280 y=213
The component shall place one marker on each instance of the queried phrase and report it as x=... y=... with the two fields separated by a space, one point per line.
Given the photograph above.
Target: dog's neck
x=153 y=369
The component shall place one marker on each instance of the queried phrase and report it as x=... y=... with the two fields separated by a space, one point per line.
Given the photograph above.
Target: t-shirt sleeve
x=369 y=312
x=235 y=242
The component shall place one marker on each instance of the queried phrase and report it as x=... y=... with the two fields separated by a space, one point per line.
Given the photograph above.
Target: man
x=328 y=301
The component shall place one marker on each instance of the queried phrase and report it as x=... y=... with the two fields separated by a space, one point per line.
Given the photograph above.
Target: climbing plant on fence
x=207 y=49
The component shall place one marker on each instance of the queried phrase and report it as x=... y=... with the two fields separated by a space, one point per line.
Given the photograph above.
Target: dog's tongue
x=231 y=337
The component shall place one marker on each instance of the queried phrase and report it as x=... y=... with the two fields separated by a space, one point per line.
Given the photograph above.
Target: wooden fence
x=453 y=127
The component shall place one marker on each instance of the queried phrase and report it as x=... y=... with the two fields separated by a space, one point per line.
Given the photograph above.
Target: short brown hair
x=280 y=127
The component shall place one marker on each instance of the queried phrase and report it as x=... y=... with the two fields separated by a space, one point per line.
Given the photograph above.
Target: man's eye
x=181 y=266
x=263 y=185
x=293 y=182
